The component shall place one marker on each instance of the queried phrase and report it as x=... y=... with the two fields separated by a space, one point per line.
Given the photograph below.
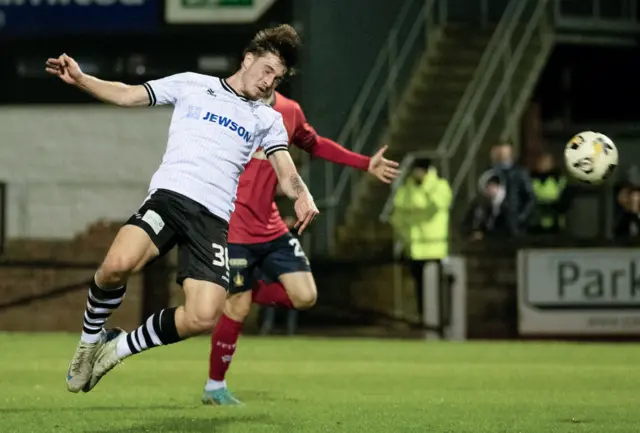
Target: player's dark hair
x=283 y=41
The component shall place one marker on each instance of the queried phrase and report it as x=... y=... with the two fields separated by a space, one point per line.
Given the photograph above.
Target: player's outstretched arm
x=68 y=70
x=293 y=186
x=306 y=138
x=378 y=166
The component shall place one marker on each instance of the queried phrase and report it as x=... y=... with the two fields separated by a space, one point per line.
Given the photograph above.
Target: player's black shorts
x=265 y=261
x=172 y=219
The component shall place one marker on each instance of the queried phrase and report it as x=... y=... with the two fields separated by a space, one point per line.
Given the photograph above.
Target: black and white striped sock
x=100 y=304
x=159 y=330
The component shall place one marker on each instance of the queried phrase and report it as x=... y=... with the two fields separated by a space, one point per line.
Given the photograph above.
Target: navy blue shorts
x=266 y=261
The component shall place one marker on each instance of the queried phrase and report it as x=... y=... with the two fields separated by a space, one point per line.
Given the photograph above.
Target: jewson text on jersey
x=228 y=123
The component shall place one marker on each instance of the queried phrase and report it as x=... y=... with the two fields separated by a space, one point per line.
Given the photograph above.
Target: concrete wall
x=68 y=166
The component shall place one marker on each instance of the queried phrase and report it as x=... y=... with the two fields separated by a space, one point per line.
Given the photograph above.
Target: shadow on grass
x=88 y=409
x=189 y=424
x=253 y=396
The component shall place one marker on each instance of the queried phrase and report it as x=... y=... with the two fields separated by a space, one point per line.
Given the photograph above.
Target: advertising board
x=579 y=291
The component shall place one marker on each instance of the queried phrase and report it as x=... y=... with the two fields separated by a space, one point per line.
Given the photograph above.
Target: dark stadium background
x=582 y=83
x=71 y=170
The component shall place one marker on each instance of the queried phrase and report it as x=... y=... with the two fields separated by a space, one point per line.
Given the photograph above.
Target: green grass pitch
x=340 y=385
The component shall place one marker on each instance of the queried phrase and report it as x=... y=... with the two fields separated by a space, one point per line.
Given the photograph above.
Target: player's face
x=262 y=75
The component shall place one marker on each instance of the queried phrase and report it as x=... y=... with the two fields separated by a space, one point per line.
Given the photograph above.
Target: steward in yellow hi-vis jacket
x=549 y=186
x=421 y=219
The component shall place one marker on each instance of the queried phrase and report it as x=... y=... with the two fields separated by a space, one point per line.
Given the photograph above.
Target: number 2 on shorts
x=297 y=248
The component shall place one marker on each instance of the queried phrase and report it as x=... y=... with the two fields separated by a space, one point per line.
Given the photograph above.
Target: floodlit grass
x=322 y=385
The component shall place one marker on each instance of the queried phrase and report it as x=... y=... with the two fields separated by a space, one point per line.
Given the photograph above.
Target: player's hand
x=382 y=168
x=306 y=211
x=65 y=68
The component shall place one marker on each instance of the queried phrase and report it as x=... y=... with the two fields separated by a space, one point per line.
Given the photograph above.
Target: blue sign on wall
x=23 y=17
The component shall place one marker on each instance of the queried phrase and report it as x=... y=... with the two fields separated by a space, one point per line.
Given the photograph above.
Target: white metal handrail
x=470 y=99
x=626 y=22
x=537 y=15
x=462 y=121
x=376 y=72
x=354 y=130
x=351 y=127
x=465 y=125
x=453 y=134
x=468 y=126
x=484 y=74
x=384 y=96
x=393 y=59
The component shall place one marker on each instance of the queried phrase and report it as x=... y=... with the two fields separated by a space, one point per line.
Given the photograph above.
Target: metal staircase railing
x=468 y=125
x=597 y=22
x=511 y=61
x=378 y=98
x=452 y=138
x=597 y=15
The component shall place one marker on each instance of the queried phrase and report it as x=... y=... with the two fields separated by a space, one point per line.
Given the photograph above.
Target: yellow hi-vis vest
x=421 y=217
x=548 y=191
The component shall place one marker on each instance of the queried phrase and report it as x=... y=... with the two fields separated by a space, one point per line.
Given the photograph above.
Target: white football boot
x=106 y=357
x=80 y=368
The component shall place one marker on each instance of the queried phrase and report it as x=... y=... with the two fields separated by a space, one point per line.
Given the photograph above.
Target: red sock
x=271 y=294
x=223 y=346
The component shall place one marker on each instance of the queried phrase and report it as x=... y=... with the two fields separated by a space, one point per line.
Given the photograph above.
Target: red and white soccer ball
x=591 y=157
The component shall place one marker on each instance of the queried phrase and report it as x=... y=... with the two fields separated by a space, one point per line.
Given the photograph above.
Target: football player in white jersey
x=217 y=125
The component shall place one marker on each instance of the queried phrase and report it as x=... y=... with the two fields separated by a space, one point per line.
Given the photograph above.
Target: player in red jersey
x=260 y=240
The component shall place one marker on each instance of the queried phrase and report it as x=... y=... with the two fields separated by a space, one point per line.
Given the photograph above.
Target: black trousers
x=416 y=268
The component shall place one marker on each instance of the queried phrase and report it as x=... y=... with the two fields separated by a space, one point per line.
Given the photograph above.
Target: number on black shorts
x=297 y=248
x=220 y=256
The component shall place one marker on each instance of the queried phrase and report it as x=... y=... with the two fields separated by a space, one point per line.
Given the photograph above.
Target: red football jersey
x=256 y=218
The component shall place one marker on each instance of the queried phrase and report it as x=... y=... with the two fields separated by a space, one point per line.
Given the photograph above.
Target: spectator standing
x=520 y=200
x=628 y=224
x=549 y=186
x=421 y=220
x=488 y=215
